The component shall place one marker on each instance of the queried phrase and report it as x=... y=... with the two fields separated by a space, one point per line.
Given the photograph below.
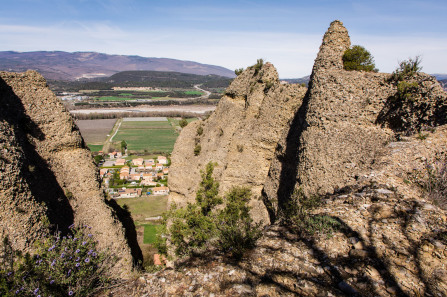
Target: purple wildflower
x=94 y=254
x=77 y=251
x=35 y=291
x=69 y=236
x=77 y=259
x=51 y=281
x=62 y=255
x=51 y=248
x=64 y=237
x=84 y=242
x=66 y=249
x=69 y=272
x=9 y=273
x=74 y=239
x=17 y=292
x=90 y=235
x=71 y=226
x=90 y=252
x=87 y=260
x=77 y=264
x=70 y=293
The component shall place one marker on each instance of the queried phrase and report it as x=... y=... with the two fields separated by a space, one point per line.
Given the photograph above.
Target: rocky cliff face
x=240 y=136
x=344 y=123
x=47 y=176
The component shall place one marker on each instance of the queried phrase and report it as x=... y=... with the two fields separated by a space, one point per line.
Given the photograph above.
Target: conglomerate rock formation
x=344 y=123
x=350 y=141
x=48 y=179
x=240 y=136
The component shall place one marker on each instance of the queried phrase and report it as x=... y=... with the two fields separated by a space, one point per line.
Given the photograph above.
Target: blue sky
x=231 y=33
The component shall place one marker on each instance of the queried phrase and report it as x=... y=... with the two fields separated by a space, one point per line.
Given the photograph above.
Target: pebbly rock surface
x=48 y=179
x=344 y=124
x=353 y=144
x=390 y=242
x=240 y=136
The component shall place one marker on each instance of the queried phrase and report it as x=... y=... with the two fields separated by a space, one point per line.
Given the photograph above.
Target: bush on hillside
x=201 y=225
x=238 y=71
x=358 y=58
x=235 y=228
x=183 y=123
x=407 y=69
x=297 y=214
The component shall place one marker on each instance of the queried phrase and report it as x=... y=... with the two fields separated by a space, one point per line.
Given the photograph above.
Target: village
x=123 y=176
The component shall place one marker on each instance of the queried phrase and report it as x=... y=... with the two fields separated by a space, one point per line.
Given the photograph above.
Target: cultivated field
x=145 y=207
x=155 y=136
x=95 y=132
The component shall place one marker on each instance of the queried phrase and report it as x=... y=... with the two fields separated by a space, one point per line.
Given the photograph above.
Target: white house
x=160 y=191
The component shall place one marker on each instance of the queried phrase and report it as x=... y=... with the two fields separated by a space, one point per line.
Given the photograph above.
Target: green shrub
x=235 y=228
x=297 y=214
x=197 y=149
x=238 y=71
x=62 y=266
x=207 y=196
x=258 y=65
x=183 y=123
x=358 y=58
x=406 y=90
x=407 y=69
x=201 y=225
x=268 y=85
x=98 y=159
x=200 y=130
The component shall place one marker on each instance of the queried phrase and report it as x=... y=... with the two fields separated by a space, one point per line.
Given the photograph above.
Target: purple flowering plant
x=52 y=270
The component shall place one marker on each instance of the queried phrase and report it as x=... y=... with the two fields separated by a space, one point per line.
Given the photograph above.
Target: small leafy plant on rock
x=297 y=214
x=358 y=58
x=183 y=123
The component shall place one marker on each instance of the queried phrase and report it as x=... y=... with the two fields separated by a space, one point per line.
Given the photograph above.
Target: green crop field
x=148 y=135
x=113 y=98
x=95 y=147
x=145 y=207
x=150 y=233
x=193 y=93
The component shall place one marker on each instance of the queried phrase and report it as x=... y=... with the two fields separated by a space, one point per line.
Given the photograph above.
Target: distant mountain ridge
x=59 y=65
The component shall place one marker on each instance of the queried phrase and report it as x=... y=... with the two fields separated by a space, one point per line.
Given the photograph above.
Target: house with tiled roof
x=137 y=162
x=120 y=162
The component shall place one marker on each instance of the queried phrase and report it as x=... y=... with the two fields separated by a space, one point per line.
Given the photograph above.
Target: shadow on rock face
x=36 y=171
x=131 y=233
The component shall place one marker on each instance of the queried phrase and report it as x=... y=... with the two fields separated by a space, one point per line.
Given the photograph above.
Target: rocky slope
x=48 y=180
x=351 y=141
x=392 y=242
x=240 y=136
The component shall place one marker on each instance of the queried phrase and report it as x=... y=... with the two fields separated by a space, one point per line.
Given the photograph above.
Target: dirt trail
x=109 y=139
